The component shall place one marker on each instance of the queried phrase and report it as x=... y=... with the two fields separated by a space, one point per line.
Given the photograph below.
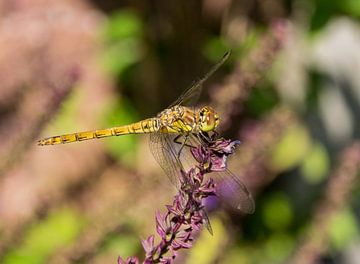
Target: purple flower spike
x=224 y=146
x=183 y=240
x=219 y=151
x=212 y=156
x=129 y=260
x=186 y=215
x=162 y=225
x=200 y=154
x=148 y=245
x=218 y=163
x=166 y=261
x=120 y=260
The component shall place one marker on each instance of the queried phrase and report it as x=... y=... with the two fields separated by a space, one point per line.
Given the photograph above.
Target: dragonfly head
x=209 y=119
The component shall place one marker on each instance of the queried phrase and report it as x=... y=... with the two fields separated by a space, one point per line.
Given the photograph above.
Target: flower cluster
x=212 y=156
x=176 y=227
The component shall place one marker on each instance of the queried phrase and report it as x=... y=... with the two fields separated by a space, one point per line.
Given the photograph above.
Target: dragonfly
x=180 y=120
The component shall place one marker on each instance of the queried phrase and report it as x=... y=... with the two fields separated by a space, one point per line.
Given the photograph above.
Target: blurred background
x=290 y=92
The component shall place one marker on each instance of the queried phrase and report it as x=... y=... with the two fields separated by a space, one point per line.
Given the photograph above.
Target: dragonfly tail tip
x=41 y=142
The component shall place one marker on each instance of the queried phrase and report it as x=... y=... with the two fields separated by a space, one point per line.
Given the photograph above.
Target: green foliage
x=58 y=230
x=291 y=149
x=352 y=7
x=123 y=37
x=274 y=249
x=123 y=24
x=215 y=48
x=277 y=212
x=324 y=11
x=207 y=246
x=316 y=164
x=278 y=247
x=121 y=245
x=261 y=101
x=343 y=229
x=314 y=90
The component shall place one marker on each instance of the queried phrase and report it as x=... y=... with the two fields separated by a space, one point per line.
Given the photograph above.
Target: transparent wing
x=163 y=149
x=206 y=221
x=192 y=94
x=233 y=192
x=229 y=187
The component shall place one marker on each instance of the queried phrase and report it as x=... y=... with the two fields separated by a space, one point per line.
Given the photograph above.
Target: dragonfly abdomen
x=144 y=126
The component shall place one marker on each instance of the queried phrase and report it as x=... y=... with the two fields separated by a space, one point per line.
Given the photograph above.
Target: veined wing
x=233 y=191
x=165 y=150
x=229 y=187
x=162 y=145
x=162 y=148
x=192 y=94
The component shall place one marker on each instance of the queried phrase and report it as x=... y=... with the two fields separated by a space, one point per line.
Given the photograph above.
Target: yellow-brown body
x=177 y=119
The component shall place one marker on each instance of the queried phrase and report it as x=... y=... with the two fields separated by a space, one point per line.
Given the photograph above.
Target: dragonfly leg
x=207 y=138
x=216 y=134
x=182 y=143
x=204 y=137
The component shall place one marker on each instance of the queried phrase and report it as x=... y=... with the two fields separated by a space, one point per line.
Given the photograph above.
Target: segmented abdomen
x=145 y=126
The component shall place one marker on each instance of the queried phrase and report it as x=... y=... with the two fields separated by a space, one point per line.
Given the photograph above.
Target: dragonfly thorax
x=177 y=119
x=180 y=119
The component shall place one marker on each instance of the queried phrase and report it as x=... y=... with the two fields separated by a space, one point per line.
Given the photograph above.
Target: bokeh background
x=290 y=92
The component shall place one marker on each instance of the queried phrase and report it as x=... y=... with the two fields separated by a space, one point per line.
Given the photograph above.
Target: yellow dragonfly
x=180 y=119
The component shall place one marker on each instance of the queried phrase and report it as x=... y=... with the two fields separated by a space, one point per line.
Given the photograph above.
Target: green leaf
x=123 y=245
x=279 y=247
x=316 y=164
x=291 y=149
x=277 y=212
x=42 y=239
x=207 y=247
x=123 y=24
x=215 y=48
x=343 y=229
x=123 y=35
